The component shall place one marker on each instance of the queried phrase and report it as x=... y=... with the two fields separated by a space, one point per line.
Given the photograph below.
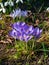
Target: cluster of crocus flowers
x=24 y=32
x=18 y=13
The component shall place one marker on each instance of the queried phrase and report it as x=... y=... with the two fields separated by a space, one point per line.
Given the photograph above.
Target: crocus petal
x=18 y=12
x=26 y=27
x=24 y=13
x=37 y=32
x=13 y=33
x=16 y=26
x=12 y=15
x=28 y=38
x=40 y=31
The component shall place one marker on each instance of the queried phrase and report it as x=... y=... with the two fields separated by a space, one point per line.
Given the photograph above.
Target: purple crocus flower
x=24 y=13
x=24 y=32
x=18 y=13
x=37 y=32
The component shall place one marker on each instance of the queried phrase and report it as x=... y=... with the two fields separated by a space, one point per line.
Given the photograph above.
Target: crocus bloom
x=2 y=9
x=18 y=13
x=19 y=1
x=24 y=32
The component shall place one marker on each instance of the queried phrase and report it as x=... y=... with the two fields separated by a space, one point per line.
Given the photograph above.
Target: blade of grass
x=44 y=48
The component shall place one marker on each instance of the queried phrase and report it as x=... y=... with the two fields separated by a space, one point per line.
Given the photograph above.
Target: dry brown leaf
x=4 y=42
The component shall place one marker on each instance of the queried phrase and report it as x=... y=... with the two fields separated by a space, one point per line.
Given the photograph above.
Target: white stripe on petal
x=23 y=23
x=18 y=23
x=41 y=31
x=30 y=28
x=37 y=31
